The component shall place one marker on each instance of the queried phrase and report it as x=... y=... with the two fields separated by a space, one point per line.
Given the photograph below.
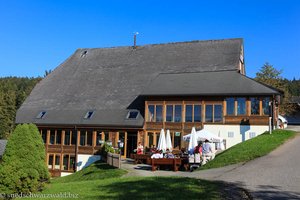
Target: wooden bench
x=141 y=158
x=173 y=162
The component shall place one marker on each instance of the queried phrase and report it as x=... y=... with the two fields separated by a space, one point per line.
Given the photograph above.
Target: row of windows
x=69 y=138
x=68 y=162
x=251 y=134
x=237 y=106
x=193 y=113
x=213 y=112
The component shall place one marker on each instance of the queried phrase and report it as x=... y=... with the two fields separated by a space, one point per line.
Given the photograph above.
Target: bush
x=23 y=169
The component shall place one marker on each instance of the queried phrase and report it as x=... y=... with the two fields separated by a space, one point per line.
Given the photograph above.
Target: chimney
x=134 y=39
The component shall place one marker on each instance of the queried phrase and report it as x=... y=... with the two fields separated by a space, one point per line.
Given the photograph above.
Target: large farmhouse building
x=128 y=94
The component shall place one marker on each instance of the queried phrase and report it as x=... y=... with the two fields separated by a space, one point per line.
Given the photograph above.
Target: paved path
x=294 y=127
x=274 y=176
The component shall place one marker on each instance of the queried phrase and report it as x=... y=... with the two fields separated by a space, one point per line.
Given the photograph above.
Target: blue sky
x=37 y=35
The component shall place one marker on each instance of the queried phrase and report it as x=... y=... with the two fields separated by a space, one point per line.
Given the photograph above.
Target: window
x=265 y=106
x=57 y=162
x=89 y=115
x=82 y=138
x=132 y=114
x=58 y=137
x=41 y=115
x=155 y=113
x=214 y=113
x=230 y=106
x=254 y=105
x=86 y=138
x=159 y=116
x=218 y=113
x=252 y=134
x=68 y=162
x=44 y=135
x=169 y=114
x=178 y=113
x=67 y=137
x=50 y=161
x=241 y=106
x=230 y=134
x=89 y=138
x=209 y=113
x=189 y=113
x=55 y=137
x=151 y=139
x=73 y=138
x=197 y=113
x=52 y=137
x=150 y=113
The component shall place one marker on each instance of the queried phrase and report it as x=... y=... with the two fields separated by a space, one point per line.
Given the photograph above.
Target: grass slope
x=96 y=171
x=250 y=149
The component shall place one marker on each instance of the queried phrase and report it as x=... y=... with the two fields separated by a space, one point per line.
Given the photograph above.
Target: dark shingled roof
x=206 y=84
x=110 y=80
x=2 y=147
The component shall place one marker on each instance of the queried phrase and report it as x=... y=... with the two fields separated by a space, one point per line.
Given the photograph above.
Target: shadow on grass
x=160 y=188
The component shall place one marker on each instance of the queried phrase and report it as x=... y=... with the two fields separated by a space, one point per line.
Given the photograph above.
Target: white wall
x=240 y=132
x=86 y=160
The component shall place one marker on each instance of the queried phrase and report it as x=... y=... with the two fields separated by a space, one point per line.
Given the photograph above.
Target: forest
x=14 y=90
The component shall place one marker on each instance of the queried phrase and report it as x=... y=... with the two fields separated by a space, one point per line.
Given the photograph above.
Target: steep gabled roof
x=109 y=80
x=226 y=83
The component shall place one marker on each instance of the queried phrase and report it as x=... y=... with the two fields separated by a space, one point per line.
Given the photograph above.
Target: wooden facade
x=63 y=144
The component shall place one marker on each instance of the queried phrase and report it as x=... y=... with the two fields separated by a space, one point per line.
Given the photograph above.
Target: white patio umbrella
x=168 y=141
x=162 y=141
x=193 y=141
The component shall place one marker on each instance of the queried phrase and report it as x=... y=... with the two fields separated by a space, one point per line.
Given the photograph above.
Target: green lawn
x=250 y=149
x=100 y=181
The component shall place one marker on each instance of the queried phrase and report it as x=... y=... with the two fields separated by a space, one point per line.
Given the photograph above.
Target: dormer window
x=89 y=115
x=41 y=115
x=132 y=114
x=83 y=54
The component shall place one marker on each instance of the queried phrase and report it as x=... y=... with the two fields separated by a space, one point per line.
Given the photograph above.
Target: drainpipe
x=76 y=148
x=270 y=116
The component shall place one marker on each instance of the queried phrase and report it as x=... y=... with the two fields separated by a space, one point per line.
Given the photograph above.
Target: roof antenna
x=134 y=39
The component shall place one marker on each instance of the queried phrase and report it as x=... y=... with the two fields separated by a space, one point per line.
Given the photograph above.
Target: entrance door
x=131 y=143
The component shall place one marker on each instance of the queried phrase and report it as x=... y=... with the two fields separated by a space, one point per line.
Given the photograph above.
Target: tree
x=23 y=169
x=272 y=77
x=13 y=92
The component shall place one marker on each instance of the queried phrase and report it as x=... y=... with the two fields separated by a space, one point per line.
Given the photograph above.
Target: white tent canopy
x=203 y=135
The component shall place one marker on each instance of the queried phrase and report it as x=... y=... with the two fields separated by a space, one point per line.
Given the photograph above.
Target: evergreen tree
x=23 y=169
x=13 y=92
x=272 y=77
